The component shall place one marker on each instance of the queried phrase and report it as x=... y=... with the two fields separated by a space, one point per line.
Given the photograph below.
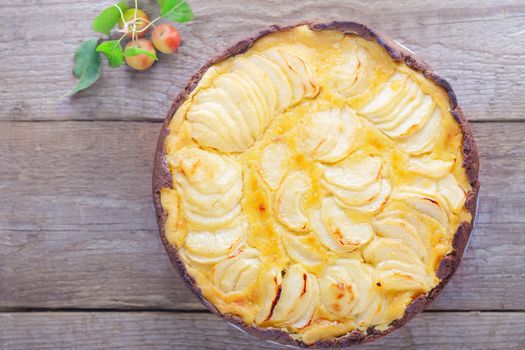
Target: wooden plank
x=477 y=45
x=77 y=227
x=162 y=330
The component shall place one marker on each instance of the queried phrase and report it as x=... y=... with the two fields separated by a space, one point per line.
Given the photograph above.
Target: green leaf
x=108 y=18
x=175 y=10
x=113 y=52
x=87 y=65
x=134 y=51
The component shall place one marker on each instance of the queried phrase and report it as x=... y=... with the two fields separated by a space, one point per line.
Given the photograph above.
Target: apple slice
x=329 y=135
x=302 y=249
x=406 y=110
x=344 y=75
x=355 y=175
x=237 y=271
x=302 y=70
x=402 y=230
x=298 y=72
x=369 y=306
x=350 y=198
x=279 y=81
x=337 y=292
x=376 y=204
x=398 y=276
x=253 y=96
x=415 y=121
x=424 y=139
x=382 y=249
x=204 y=124
x=271 y=290
x=391 y=92
x=273 y=161
x=453 y=193
x=211 y=184
x=258 y=77
x=427 y=205
x=335 y=230
x=203 y=221
x=413 y=218
x=430 y=167
x=298 y=300
x=199 y=202
x=218 y=242
x=248 y=124
x=410 y=94
x=289 y=201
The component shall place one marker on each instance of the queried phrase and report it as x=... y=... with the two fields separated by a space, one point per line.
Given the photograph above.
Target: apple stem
x=150 y=23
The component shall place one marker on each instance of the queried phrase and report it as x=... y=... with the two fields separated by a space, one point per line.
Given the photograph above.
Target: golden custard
x=317 y=184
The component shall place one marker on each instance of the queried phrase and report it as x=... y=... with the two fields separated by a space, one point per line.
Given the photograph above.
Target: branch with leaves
x=132 y=24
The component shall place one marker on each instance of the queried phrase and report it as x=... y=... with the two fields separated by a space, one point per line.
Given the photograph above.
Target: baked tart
x=316 y=185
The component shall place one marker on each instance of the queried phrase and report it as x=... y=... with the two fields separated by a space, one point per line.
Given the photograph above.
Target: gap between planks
x=196 y=311
x=160 y=121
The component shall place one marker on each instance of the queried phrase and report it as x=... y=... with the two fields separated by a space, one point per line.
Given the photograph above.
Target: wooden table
x=81 y=264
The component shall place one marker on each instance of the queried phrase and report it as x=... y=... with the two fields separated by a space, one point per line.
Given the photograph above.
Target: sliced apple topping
x=352 y=76
x=289 y=201
x=335 y=230
x=271 y=291
x=381 y=249
x=273 y=163
x=210 y=186
x=298 y=71
x=403 y=224
x=299 y=299
x=424 y=139
x=452 y=191
x=302 y=249
x=337 y=292
x=399 y=276
x=414 y=121
x=234 y=111
x=413 y=100
x=354 y=192
x=394 y=227
x=389 y=96
x=392 y=116
x=425 y=200
x=352 y=174
x=329 y=135
x=430 y=167
x=376 y=204
x=357 y=184
x=349 y=197
x=237 y=271
x=213 y=246
x=347 y=291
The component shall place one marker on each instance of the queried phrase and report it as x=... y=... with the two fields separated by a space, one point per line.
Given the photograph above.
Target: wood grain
x=164 y=330
x=477 y=45
x=77 y=228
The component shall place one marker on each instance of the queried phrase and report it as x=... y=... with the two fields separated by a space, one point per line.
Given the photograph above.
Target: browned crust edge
x=448 y=265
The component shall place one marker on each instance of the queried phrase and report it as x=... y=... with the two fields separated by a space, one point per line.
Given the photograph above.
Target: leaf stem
x=121 y=13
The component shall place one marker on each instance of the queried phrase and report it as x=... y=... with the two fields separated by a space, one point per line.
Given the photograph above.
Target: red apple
x=140 y=22
x=165 y=38
x=142 y=61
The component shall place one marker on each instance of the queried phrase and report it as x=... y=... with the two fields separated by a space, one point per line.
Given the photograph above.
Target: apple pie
x=316 y=185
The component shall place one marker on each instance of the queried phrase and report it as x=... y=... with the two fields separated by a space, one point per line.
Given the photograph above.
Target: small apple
x=165 y=38
x=142 y=61
x=140 y=22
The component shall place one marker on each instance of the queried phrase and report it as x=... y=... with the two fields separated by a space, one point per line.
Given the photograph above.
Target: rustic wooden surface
x=81 y=265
